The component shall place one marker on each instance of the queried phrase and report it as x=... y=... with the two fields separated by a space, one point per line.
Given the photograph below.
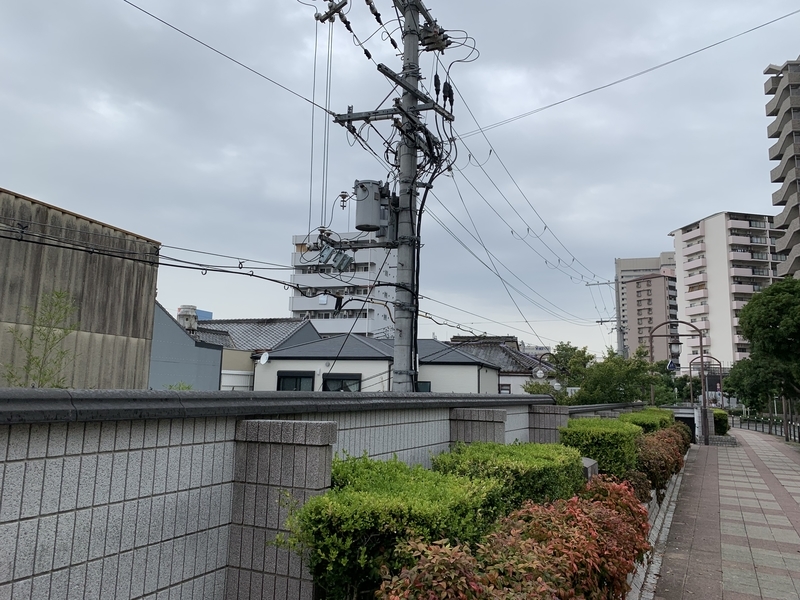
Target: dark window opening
x=341 y=382
x=295 y=381
x=423 y=386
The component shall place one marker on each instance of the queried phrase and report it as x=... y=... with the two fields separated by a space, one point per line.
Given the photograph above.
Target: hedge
x=583 y=547
x=611 y=442
x=354 y=530
x=721 y=424
x=537 y=472
x=650 y=419
x=660 y=457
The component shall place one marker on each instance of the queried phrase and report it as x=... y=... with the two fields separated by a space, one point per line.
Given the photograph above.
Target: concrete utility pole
x=406 y=307
x=419 y=28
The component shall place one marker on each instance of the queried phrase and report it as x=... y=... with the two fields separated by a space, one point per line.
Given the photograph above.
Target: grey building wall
x=177 y=357
x=153 y=495
x=110 y=273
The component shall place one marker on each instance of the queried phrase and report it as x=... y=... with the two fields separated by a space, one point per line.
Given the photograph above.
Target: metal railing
x=771 y=425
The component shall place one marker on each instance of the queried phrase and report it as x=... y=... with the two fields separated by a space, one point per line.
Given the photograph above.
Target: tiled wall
x=185 y=508
x=118 y=509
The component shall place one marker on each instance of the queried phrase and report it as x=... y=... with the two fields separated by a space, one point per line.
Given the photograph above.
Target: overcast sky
x=106 y=112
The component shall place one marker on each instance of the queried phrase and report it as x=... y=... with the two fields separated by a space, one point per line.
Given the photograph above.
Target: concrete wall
x=177 y=357
x=123 y=495
x=115 y=296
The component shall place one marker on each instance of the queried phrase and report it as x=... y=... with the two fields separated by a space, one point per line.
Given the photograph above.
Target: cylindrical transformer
x=368 y=205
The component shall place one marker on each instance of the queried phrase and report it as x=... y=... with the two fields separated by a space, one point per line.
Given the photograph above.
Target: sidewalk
x=734 y=532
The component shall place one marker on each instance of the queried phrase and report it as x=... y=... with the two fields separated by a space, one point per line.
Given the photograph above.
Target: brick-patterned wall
x=545 y=421
x=276 y=462
x=118 y=509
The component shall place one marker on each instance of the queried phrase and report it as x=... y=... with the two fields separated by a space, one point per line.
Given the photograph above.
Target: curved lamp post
x=540 y=373
x=677 y=344
x=709 y=357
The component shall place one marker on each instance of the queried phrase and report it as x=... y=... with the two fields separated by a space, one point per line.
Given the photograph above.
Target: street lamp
x=676 y=343
x=709 y=357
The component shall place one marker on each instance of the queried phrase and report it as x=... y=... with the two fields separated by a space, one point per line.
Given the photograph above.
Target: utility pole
x=415 y=139
x=405 y=309
x=618 y=318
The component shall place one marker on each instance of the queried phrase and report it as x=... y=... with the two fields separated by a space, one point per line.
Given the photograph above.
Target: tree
x=616 y=379
x=570 y=363
x=771 y=323
x=42 y=345
x=542 y=387
x=758 y=379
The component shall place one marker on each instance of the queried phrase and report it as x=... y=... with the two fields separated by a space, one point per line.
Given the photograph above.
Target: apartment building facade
x=652 y=300
x=783 y=85
x=722 y=260
x=357 y=300
x=626 y=270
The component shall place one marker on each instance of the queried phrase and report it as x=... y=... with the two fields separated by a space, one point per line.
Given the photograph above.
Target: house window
x=295 y=381
x=504 y=388
x=341 y=382
x=425 y=386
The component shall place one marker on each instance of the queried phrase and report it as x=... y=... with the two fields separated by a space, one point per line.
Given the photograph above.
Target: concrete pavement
x=735 y=530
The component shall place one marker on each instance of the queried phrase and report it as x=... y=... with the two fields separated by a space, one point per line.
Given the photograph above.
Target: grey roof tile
x=253 y=334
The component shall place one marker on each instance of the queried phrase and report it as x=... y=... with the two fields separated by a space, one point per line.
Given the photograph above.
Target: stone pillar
x=544 y=422
x=276 y=463
x=477 y=425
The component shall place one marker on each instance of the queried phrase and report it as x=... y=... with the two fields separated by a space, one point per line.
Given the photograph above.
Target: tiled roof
x=214 y=336
x=251 y=334
x=508 y=359
x=356 y=347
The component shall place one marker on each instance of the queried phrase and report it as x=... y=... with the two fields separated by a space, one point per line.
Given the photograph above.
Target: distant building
x=516 y=366
x=722 y=261
x=365 y=308
x=627 y=269
x=784 y=87
x=652 y=300
x=355 y=363
x=179 y=359
x=109 y=272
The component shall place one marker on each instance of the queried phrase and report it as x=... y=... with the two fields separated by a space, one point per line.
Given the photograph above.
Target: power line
x=624 y=79
x=230 y=58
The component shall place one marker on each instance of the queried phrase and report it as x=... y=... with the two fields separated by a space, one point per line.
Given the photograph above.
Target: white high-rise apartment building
x=784 y=87
x=626 y=270
x=366 y=308
x=722 y=261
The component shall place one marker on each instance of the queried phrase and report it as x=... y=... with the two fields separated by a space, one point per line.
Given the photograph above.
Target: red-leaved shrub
x=584 y=547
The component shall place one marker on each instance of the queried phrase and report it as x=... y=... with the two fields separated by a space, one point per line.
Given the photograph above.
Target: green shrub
x=353 y=531
x=650 y=419
x=611 y=442
x=538 y=472
x=721 y=424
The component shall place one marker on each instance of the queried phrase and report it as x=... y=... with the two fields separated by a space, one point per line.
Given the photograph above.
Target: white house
x=356 y=363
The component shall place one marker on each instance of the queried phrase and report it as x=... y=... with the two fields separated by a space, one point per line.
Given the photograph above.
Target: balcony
x=777 y=83
x=740 y=339
x=694 y=264
x=787 y=215
x=740 y=355
x=696 y=295
x=694 y=342
x=694 y=249
x=738 y=305
x=791 y=264
x=788 y=162
x=785 y=140
x=739 y=240
x=693 y=234
x=741 y=288
x=740 y=271
x=781 y=104
x=695 y=279
x=702 y=325
x=737 y=224
x=701 y=309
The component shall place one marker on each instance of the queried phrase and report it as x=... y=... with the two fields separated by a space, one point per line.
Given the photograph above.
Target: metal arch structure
x=719 y=362
x=704 y=410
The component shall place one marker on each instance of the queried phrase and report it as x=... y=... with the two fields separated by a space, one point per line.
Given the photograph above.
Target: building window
x=503 y=388
x=425 y=386
x=295 y=381
x=341 y=382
